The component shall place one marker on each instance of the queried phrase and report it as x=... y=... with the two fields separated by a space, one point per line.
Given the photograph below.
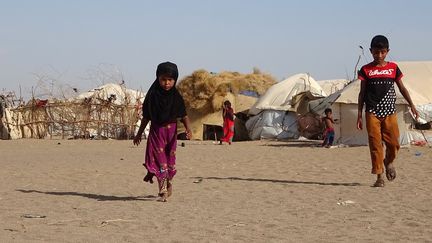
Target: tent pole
x=214 y=131
x=425 y=138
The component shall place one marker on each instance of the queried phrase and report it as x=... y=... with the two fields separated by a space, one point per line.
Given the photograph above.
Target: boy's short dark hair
x=327 y=111
x=380 y=42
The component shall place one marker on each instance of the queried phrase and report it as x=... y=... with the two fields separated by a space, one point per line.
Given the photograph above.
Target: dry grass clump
x=204 y=92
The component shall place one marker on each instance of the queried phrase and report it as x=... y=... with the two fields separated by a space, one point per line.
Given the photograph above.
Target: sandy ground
x=266 y=191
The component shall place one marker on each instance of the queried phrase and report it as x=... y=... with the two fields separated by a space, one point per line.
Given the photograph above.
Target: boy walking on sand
x=378 y=93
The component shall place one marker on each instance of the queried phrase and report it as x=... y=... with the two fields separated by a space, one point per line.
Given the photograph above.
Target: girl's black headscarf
x=163 y=106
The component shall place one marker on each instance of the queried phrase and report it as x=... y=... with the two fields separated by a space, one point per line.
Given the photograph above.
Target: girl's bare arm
x=137 y=138
x=186 y=123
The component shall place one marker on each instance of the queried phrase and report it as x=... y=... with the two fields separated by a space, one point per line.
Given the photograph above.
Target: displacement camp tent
x=116 y=96
x=115 y=93
x=273 y=115
x=418 y=79
x=344 y=106
x=204 y=93
x=11 y=119
x=333 y=85
x=344 y=103
x=209 y=126
x=278 y=97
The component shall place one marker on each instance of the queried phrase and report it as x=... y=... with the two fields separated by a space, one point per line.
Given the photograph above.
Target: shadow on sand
x=280 y=181
x=97 y=197
x=294 y=143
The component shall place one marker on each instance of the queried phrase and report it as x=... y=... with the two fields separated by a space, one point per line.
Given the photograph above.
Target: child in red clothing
x=228 y=122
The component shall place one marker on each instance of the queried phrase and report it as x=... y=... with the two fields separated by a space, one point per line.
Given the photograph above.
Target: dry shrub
x=204 y=92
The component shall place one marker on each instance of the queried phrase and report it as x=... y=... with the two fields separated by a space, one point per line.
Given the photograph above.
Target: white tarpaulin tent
x=345 y=110
x=118 y=95
x=11 y=120
x=278 y=96
x=8 y=127
x=418 y=79
x=332 y=85
x=344 y=106
x=116 y=92
x=273 y=115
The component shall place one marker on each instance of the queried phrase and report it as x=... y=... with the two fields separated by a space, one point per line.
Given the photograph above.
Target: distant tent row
x=291 y=108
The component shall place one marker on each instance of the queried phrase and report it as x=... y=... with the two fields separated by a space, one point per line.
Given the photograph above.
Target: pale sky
x=75 y=41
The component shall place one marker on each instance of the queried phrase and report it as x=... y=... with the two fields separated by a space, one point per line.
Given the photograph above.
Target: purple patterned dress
x=160 y=153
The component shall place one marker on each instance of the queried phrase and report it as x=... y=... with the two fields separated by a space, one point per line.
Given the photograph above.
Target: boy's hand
x=137 y=140
x=359 y=123
x=188 y=134
x=414 y=112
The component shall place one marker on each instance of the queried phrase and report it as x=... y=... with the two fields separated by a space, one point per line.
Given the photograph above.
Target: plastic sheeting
x=425 y=112
x=273 y=124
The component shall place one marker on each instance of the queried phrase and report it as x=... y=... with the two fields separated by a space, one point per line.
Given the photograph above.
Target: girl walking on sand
x=163 y=105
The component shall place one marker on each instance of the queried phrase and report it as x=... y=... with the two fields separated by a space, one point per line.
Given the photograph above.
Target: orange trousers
x=382 y=129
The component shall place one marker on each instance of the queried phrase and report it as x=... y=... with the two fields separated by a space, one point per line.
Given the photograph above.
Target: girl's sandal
x=169 y=188
x=163 y=192
x=163 y=197
x=390 y=172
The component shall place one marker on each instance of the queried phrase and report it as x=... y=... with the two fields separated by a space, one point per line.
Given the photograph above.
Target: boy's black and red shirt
x=380 y=95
